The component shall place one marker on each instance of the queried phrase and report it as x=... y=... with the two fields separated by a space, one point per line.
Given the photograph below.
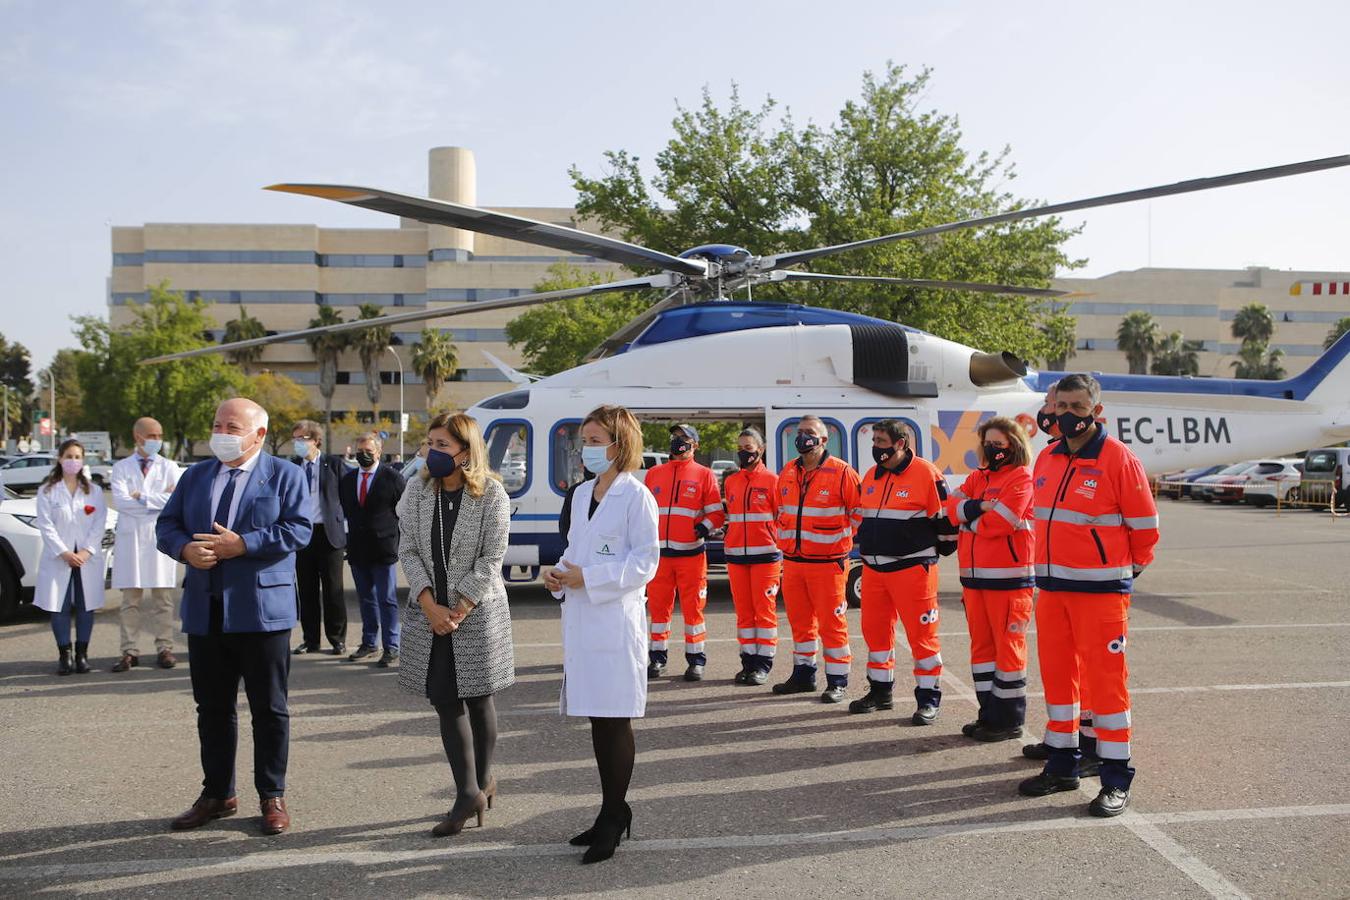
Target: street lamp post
x=391 y=349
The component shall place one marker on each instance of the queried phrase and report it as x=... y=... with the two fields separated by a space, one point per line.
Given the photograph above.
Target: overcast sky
x=121 y=113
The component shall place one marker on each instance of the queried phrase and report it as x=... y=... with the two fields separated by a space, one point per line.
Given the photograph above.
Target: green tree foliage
x=286 y=403
x=1258 y=361
x=370 y=344
x=711 y=436
x=182 y=395
x=15 y=372
x=244 y=328
x=1060 y=329
x=755 y=179
x=327 y=348
x=1136 y=338
x=1254 y=324
x=435 y=359
x=69 y=394
x=1174 y=355
x=559 y=335
x=1341 y=327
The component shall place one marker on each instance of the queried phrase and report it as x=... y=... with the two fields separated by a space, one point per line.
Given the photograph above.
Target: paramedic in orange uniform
x=690 y=508
x=817 y=517
x=904 y=530
x=1096 y=527
x=754 y=562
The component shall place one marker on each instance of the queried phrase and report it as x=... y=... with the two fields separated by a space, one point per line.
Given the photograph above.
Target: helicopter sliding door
x=850 y=431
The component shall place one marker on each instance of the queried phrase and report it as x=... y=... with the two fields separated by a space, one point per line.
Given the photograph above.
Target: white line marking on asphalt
x=182 y=868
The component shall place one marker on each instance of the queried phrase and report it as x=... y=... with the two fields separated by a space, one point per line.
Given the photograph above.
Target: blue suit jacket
x=259 y=587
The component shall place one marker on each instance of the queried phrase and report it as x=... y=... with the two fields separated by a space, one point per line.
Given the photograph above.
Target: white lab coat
x=605 y=622
x=71 y=523
x=136 y=561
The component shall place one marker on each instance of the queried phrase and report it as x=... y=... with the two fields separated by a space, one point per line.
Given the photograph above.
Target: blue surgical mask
x=300 y=447
x=152 y=446
x=596 y=458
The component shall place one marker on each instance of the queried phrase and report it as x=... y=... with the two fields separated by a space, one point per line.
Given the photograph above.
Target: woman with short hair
x=454 y=524
x=612 y=552
x=993 y=509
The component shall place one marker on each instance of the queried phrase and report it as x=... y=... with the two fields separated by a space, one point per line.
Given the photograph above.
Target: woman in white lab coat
x=71 y=517
x=611 y=554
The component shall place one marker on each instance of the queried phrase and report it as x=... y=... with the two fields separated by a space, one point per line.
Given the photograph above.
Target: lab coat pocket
x=601 y=631
x=607 y=548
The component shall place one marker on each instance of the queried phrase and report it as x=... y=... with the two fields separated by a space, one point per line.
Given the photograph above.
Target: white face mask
x=152 y=446
x=300 y=447
x=227 y=447
x=596 y=459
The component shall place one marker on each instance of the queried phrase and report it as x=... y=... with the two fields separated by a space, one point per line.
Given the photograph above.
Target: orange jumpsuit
x=689 y=507
x=817 y=517
x=754 y=562
x=903 y=531
x=1096 y=527
x=997 y=579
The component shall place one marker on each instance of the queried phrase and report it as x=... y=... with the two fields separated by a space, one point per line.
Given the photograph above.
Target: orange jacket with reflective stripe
x=1096 y=522
x=818 y=510
x=903 y=523
x=688 y=505
x=995 y=548
x=752 y=509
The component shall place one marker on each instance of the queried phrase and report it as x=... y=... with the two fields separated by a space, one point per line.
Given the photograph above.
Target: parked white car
x=23 y=474
x=21 y=547
x=1274 y=480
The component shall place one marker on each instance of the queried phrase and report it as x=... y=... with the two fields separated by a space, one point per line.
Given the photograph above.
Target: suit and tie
x=369 y=498
x=319 y=565
x=238 y=615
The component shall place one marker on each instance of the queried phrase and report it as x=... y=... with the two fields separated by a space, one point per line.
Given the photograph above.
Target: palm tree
x=1174 y=355
x=327 y=348
x=434 y=359
x=244 y=328
x=1341 y=327
x=1256 y=361
x=1253 y=324
x=370 y=343
x=1060 y=330
x=1136 y=336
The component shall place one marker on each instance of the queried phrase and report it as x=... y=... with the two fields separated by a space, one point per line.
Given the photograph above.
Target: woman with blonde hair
x=612 y=552
x=993 y=509
x=454 y=522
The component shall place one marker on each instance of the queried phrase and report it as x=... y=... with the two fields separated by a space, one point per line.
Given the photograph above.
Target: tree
x=182 y=395
x=1136 y=337
x=327 y=348
x=1061 y=335
x=1254 y=324
x=69 y=394
x=15 y=369
x=752 y=178
x=1258 y=361
x=1341 y=327
x=1174 y=355
x=285 y=401
x=244 y=328
x=370 y=344
x=435 y=359
x=558 y=336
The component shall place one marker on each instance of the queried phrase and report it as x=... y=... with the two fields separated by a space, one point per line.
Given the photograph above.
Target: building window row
x=1313 y=316
x=474 y=294
x=310 y=297
x=311 y=377
x=1198 y=310
x=329 y=260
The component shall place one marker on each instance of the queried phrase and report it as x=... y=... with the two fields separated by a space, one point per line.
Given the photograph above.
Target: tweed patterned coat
x=484 y=657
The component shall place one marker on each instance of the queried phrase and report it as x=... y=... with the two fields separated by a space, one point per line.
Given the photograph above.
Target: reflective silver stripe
x=659 y=645
x=708 y=523
x=887 y=560
x=984 y=685
x=1003 y=693
x=693 y=648
x=800 y=660
x=806 y=647
x=974 y=527
x=1113 y=749
x=1139 y=523
x=745 y=634
x=1061 y=712
x=834 y=668
x=836 y=652
x=886 y=676
x=1006 y=513
x=677 y=511
x=660 y=628
x=981 y=668
x=695 y=629
x=871 y=513
x=812 y=538
x=808 y=512
x=926 y=681
x=712 y=508
x=1007 y=572
x=684 y=545
x=750 y=551
x=1112 y=721
x=767 y=634
x=1046 y=514
x=883 y=657
x=1019 y=675
x=958 y=495
x=1061 y=740
x=767 y=650
x=1026 y=525
x=750 y=517
x=1109 y=573
x=931 y=662
x=961 y=513
x=786 y=535
x=946 y=537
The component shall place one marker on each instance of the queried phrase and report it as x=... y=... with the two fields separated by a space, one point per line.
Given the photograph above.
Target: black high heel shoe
x=587 y=837
x=605 y=839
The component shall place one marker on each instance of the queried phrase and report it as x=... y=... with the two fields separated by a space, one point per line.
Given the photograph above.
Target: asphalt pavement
x=1241 y=711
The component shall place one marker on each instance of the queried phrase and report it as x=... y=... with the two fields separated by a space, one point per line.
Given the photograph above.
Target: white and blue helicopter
x=692 y=359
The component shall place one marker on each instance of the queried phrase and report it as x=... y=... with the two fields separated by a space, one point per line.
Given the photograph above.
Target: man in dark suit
x=319 y=565
x=369 y=494
x=237 y=521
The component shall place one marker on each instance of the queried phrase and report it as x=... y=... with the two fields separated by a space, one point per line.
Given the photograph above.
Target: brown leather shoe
x=203 y=811
x=126 y=662
x=275 y=818
x=166 y=659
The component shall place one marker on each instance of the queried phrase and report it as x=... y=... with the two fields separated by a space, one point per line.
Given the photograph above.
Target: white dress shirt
x=223 y=476
x=314 y=502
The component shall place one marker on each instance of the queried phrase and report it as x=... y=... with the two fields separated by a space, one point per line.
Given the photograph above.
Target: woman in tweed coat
x=454 y=522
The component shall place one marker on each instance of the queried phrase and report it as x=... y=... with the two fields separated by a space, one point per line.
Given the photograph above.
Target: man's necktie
x=222 y=518
x=365 y=486
x=145 y=465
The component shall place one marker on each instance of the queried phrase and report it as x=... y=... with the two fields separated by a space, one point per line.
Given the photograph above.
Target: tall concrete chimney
x=452 y=175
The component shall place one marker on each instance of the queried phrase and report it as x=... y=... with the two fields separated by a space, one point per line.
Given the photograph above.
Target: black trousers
x=263 y=661
x=318 y=573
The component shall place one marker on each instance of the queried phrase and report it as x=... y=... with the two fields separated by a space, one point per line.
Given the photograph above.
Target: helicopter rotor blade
x=979 y=287
x=504 y=225
x=783 y=260
x=665 y=280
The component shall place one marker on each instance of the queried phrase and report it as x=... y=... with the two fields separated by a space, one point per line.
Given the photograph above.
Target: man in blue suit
x=237 y=522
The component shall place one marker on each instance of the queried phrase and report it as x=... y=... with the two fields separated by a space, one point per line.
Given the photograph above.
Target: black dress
x=441 y=684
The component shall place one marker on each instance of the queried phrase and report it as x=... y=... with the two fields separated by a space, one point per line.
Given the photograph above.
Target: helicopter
x=776 y=362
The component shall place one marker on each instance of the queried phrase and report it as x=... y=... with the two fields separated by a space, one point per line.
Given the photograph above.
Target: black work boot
x=878 y=696
x=801 y=681
x=1045 y=784
x=82 y=658
x=63 y=667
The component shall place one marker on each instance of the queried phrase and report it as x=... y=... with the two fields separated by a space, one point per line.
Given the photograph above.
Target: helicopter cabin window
x=787 y=440
x=564 y=455
x=508 y=447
